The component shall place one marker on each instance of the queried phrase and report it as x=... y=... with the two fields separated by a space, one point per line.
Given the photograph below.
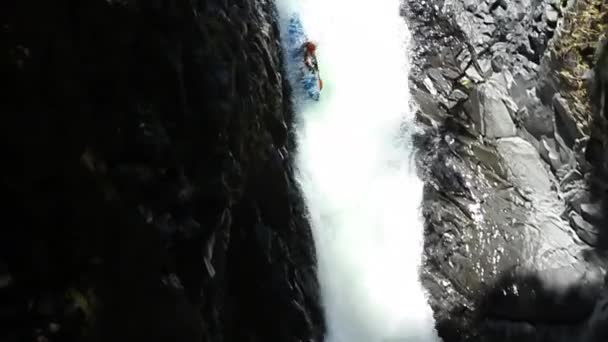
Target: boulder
x=525 y=164
x=489 y=112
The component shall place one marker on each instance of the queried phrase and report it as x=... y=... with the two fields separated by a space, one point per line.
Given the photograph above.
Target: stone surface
x=565 y=120
x=547 y=151
x=525 y=164
x=504 y=261
x=489 y=112
x=539 y=120
x=585 y=230
x=592 y=212
x=147 y=152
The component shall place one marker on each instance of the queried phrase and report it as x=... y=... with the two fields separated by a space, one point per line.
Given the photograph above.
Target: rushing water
x=354 y=167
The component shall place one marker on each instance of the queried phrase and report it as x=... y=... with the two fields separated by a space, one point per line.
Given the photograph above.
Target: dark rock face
x=146 y=177
x=514 y=245
x=596 y=147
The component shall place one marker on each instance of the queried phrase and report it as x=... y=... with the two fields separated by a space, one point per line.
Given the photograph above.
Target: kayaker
x=310 y=59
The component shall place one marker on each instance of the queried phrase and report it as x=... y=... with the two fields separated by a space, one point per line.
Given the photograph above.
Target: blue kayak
x=307 y=77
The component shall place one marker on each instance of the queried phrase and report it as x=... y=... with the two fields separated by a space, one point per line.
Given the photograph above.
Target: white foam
x=354 y=168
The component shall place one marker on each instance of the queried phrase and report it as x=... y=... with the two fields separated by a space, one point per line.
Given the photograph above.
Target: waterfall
x=355 y=169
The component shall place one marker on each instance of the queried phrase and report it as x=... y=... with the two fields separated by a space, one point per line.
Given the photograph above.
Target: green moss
x=582 y=28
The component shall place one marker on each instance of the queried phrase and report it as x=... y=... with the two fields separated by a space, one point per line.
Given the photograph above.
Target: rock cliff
x=514 y=248
x=146 y=179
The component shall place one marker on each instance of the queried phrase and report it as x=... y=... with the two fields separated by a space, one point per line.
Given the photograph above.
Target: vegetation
x=584 y=25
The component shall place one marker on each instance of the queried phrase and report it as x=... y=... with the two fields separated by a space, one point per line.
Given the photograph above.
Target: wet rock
x=430 y=112
x=439 y=81
x=525 y=164
x=489 y=112
x=494 y=205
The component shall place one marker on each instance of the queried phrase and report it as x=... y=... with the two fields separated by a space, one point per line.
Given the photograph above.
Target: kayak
x=308 y=78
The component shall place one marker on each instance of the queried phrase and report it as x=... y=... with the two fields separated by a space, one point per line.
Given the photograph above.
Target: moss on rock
x=584 y=24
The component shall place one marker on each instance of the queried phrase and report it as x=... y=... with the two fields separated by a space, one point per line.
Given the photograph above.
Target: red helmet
x=311 y=47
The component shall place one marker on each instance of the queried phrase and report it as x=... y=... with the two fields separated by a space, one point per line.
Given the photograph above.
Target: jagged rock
x=565 y=121
x=489 y=112
x=585 y=230
x=464 y=242
x=529 y=137
x=539 y=121
x=592 y=212
x=566 y=154
x=499 y=61
x=576 y=197
x=473 y=74
x=430 y=112
x=456 y=97
x=485 y=65
x=439 y=81
x=450 y=73
x=429 y=86
x=525 y=163
x=551 y=14
x=571 y=176
x=503 y=81
x=547 y=151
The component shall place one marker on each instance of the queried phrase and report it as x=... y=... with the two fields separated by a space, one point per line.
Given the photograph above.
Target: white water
x=355 y=170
